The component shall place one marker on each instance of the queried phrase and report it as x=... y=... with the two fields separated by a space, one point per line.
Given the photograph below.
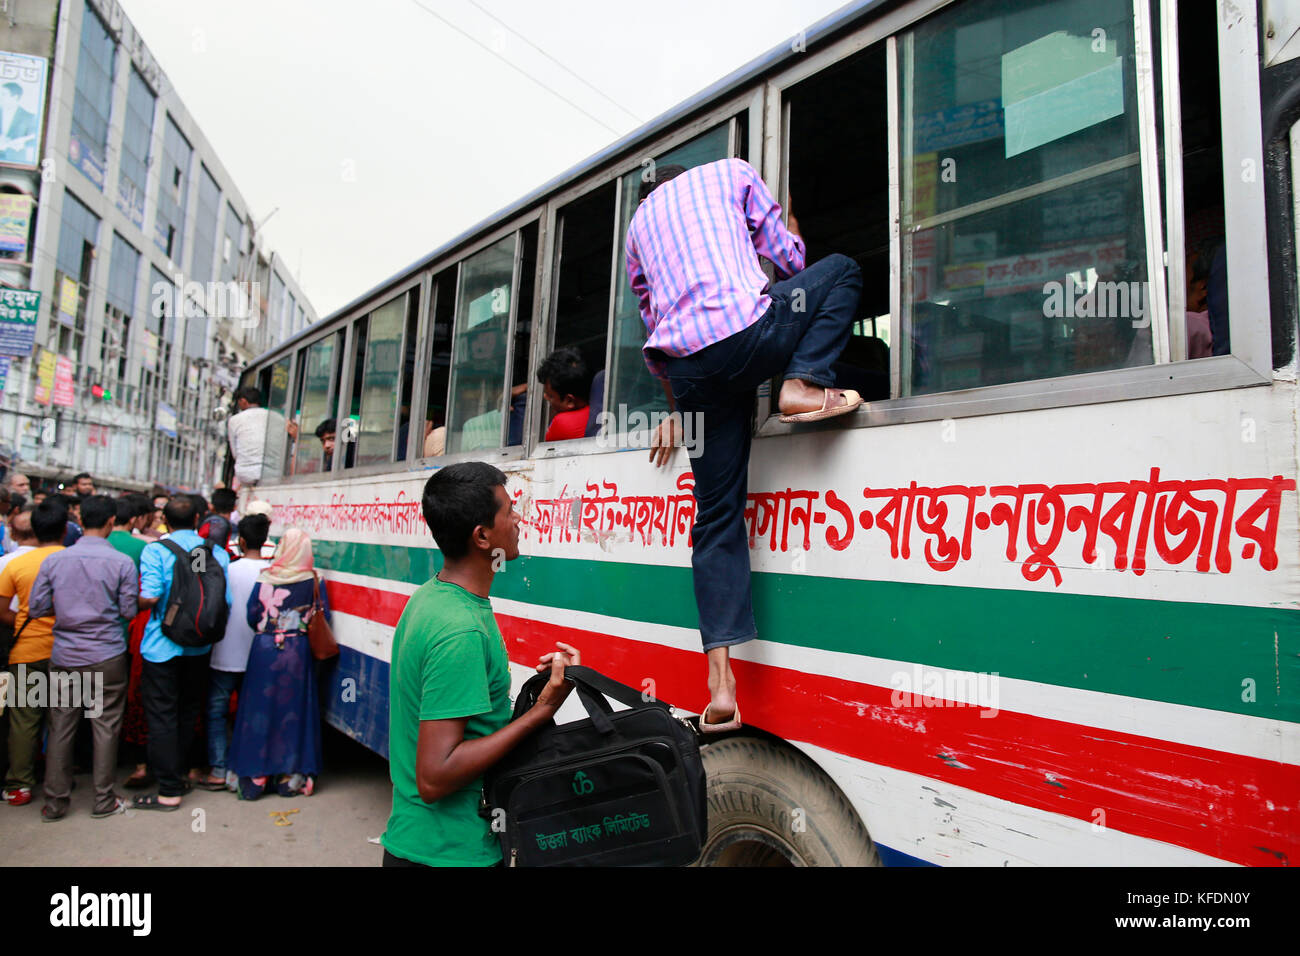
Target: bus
x=1036 y=601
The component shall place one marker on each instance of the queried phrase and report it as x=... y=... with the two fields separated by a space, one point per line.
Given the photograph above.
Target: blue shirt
x=156 y=565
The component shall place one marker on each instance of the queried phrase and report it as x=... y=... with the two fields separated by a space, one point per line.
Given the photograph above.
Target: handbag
x=319 y=633
x=621 y=788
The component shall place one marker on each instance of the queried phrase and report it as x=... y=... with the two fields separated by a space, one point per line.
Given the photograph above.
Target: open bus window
x=435 y=414
x=838 y=150
x=276 y=400
x=521 y=349
x=318 y=394
x=404 y=428
x=632 y=388
x=347 y=429
x=1024 y=251
x=377 y=401
x=481 y=345
x=586 y=249
x=1206 y=303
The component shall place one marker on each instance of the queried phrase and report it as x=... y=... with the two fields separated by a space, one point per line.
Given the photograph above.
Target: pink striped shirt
x=692 y=257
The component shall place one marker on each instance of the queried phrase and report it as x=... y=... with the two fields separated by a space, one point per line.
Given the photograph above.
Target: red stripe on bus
x=383 y=607
x=1210 y=801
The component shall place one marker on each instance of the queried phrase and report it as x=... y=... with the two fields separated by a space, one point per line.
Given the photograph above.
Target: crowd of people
x=87 y=618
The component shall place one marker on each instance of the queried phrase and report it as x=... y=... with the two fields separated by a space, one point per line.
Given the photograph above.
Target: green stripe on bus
x=1243 y=660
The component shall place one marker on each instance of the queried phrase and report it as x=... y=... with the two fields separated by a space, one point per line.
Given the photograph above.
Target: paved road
x=330 y=828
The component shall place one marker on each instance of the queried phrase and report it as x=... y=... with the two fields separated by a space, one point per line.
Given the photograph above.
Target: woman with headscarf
x=277 y=739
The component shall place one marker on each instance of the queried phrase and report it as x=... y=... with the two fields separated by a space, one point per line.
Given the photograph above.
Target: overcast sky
x=380 y=132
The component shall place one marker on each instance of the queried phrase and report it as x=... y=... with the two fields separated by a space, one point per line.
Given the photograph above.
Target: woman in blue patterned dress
x=277 y=738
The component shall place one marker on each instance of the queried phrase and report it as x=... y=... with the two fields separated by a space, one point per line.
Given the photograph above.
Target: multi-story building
x=147 y=284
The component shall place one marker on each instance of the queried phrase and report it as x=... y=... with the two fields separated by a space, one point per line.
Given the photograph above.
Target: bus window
x=276 y=401
x=408 y=375
x=482 y=326
x=435 y=414
x=632 y=388
x=376 y=400
x=347 y=430
x=522 y=348
x=319 y=397
x=838 y=178
x=586 y=248
x=1024 y=238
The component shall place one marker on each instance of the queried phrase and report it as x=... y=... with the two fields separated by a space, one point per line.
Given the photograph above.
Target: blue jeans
x=221 y=686
x=802 y=333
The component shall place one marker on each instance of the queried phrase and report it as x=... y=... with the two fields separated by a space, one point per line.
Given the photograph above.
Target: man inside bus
x=449 y=683
x=716 y=330
x=566 y=385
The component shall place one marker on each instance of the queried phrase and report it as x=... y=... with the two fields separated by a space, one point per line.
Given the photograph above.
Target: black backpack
x=196 y=610
x=622 y=788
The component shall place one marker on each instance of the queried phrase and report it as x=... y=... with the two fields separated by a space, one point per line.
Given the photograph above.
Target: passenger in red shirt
x=566 y=385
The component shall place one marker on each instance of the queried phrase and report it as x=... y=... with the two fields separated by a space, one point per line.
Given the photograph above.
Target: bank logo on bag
x=582 y=783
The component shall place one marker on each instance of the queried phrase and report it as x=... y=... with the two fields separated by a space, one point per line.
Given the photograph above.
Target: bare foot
x=722 y=686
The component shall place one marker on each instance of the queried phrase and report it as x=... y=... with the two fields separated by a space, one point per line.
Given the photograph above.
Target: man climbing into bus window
x=566 y=386
x=716 y=330
x=449 y=698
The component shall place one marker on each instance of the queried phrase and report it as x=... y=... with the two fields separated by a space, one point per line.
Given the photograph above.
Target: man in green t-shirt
x=121 y=538
x=449 y=680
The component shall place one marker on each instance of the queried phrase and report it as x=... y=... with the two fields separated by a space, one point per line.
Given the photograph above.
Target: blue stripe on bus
x=892 y=857
x=356 y=689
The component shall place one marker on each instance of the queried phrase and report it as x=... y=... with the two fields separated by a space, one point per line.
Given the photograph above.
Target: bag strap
x=592 y=687
x=610 y=687
x=174 y=548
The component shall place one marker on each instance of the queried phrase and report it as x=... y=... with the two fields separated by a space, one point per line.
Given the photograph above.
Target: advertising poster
x=69 y=296
x=4 y=371
x=166 y=420
x=15 y=223
x=63 y=391
x=18 y=311
x=45 y=376
x=22 y=105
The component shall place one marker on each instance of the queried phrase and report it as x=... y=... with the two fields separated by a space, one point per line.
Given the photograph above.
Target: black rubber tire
x=756 y=787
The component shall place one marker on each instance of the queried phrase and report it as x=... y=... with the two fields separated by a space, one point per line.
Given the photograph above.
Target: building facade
x=136 y=287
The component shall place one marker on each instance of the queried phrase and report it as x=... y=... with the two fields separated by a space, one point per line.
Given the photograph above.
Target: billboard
x=15 y=223
x=22 y=106
x=18 y=311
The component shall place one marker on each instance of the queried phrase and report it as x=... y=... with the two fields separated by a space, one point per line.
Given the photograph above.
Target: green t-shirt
x=128 y=544
x=449 y=660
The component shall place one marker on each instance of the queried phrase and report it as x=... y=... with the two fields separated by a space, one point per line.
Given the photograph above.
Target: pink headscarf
x=292 y=561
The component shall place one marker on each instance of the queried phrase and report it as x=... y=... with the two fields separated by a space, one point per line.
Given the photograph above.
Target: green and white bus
x=1036 y=602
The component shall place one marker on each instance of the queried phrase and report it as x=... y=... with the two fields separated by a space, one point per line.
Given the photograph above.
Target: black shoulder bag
x=621 y=788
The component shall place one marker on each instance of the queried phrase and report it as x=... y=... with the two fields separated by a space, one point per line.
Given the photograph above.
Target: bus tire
x=771 y=806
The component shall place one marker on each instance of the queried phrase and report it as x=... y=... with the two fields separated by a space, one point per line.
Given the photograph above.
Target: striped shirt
x=692 y=257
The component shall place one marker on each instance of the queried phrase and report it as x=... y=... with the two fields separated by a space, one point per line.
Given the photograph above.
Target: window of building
x=205 y=227
x=169 y=218
x=78 y=238
x=92 y=104
x=137 y=134
x=115 y=347
x=233 y=250
x=1039 y=183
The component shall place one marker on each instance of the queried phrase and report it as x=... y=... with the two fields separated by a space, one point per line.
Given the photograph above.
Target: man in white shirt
x=247 y=433
x=230 y=654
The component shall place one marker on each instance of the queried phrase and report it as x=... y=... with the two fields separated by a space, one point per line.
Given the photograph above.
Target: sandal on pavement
x=721 y=727
x=851 y=401
x=150 y=802
x=139 y=781
x=119 y=806
x=49 y=816
x=207 y=783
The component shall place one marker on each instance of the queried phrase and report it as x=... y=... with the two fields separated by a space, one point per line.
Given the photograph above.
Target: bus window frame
x=420 y=387
x=748 y=101
x=1250 y=361
x=349 y=374
x=516 y=226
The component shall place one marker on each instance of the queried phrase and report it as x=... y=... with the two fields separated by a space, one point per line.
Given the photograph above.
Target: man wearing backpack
x=174 y=676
